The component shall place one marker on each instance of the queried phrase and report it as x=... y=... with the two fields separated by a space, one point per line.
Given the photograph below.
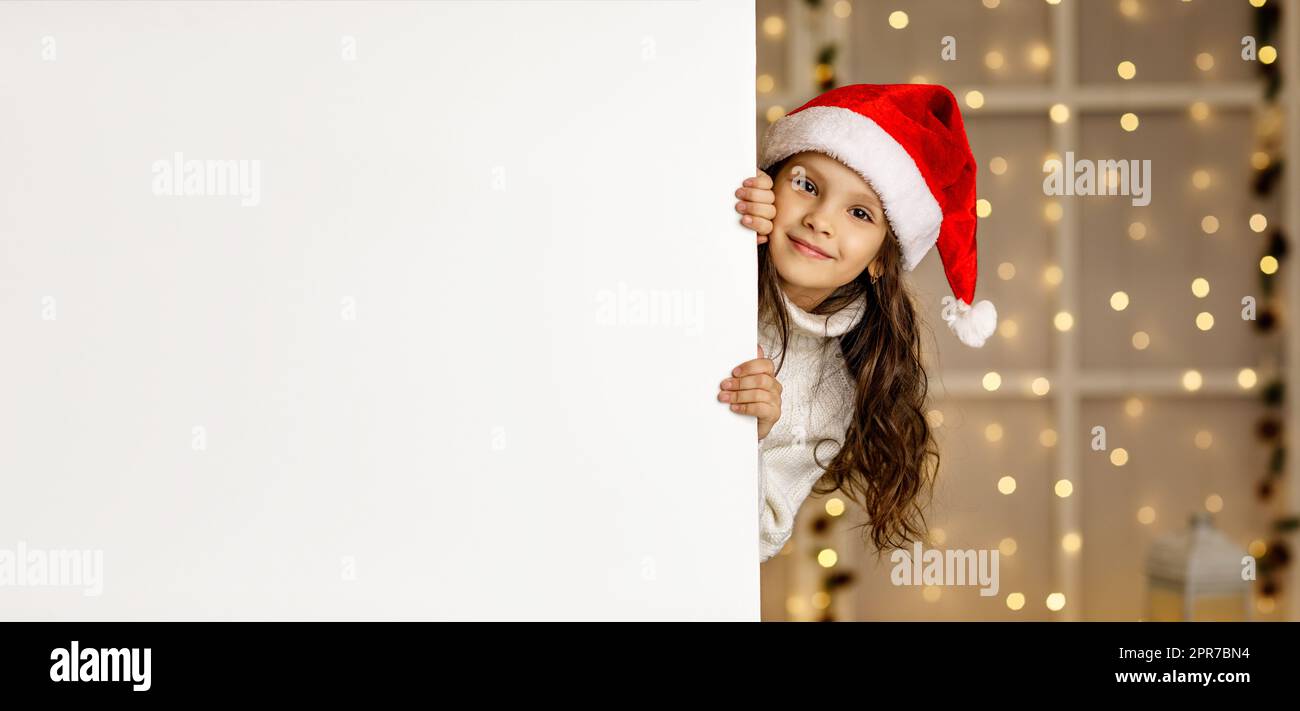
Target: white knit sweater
x=816 y=403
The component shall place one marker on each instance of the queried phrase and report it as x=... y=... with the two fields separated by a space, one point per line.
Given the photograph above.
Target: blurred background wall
x=1111 y=315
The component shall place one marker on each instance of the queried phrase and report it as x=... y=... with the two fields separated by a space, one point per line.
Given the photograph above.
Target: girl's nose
x=816 y=222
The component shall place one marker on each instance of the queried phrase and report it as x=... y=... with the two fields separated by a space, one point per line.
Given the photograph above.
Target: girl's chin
x=792 y=278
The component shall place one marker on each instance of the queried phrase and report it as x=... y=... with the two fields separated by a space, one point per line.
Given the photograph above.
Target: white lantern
x=1197 y=574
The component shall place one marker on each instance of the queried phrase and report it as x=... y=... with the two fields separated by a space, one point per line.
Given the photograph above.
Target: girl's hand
x=754 y=390
x=757 y=205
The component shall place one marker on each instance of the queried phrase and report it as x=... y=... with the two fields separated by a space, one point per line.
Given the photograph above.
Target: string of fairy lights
x=1273 y=555
x=1265 y=160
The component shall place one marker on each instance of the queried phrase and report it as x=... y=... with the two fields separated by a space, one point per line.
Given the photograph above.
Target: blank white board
x=409 y=310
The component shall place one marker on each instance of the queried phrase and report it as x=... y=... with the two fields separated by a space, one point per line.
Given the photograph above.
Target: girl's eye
x=804 y=183
x=865 y=214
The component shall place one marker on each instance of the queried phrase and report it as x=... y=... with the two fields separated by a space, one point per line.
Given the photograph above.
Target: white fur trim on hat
x=861 y=144
x=971 y=324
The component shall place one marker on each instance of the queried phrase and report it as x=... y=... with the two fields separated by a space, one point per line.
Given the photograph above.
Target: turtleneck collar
x=824 y=326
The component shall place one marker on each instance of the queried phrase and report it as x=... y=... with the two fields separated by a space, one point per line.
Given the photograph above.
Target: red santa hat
x=909 y=143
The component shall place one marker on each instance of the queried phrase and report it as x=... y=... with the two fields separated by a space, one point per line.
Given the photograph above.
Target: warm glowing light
x=935 y=417
x=835 y=506
x=1008 y=328
x=1056 y=602
x=1053 y=275
x=1063 y=321
x=898 y=19
x=983 y=208
x=1064 y=488
x=994 y=59
x=765 y=83
x=1201 y=179
x=1209 y=224
x=1214 y=503
x=1040 y=386
x=1146 y=515
x=1203 y=439
x=992 y=381
x=993 y=432
x=1119 y=456
x=1247 y=378
x=1199 y=110
x=1259 y=160
x=1007 y=546
x=843 y=9
x=1071 y=542
x=1200 y=287
x=1141 y=339
x=827 y=558
x=796 y=606
x=998 y=165
x=1133 y=407
x=773 y=26
x=1053 y=211
x=1006 y=271
x=1007 y=484
x=1126 y=69
x=774 y=113
x=1129 y=122
x=1205 y=320
x=1258 y=223
x=1015 y=601
x=1060 y=113
x=1205 y=61
x=1268 y=264
x=1119 y=301
x=1267 y=54
x=1192 y=380
x=1040 y=56
x=1047 y=438
x=1137 y=231
x=974 y=98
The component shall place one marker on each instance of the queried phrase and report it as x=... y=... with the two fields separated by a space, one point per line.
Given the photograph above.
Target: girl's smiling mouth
x=806 y=249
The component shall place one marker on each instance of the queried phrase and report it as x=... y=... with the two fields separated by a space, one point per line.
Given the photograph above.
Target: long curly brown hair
x=882 y=464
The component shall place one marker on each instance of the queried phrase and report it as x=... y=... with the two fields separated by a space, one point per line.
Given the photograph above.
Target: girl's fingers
x=744 y=396
x=760 y=180
x=758 y=224
x=754 y=367
x=761 y=410
x=756 y=195
x=756 y=209
x=762 y=381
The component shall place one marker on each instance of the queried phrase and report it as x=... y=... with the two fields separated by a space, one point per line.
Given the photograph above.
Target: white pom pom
x=972 y=324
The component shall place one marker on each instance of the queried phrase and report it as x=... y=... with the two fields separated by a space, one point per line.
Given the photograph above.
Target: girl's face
x=829 y=226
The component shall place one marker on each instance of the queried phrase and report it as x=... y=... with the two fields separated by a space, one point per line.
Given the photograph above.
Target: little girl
x=864 y=180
